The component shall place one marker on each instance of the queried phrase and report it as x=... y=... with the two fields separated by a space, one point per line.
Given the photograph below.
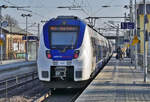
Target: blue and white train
x=70 y=52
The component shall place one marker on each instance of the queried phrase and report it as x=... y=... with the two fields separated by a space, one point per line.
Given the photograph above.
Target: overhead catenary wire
x=101 y=8
x=9 y=2
x=91 y=9
x=74 y=3
x=27 y=10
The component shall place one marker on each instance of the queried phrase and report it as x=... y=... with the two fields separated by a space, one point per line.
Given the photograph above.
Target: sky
x=47 y=9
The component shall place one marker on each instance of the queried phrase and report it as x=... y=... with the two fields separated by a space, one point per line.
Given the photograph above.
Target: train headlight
x=48 y=54
x=76 y=54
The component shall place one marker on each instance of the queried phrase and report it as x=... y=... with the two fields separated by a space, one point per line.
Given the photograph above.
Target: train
x=70 y=52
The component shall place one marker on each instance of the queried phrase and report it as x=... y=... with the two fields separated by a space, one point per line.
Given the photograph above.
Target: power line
x=76 y=4
x=100 y=9
x=43 y=7
x=9 y=2
x=86 y=12
x=89 y=7
x=25 y=9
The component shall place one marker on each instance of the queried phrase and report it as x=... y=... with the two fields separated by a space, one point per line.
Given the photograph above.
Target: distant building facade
x=140 y=31
x=140 y=25
x=13 y=45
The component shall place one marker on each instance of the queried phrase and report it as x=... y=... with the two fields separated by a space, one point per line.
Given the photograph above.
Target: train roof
x=96 y=30
x=67 y=17
x=71 y=18
x=77 y=18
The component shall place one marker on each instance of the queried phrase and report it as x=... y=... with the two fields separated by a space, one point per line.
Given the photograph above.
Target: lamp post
x=145 y=41
x=135 y=33
x=1 y=29
x=3 y=6
x=26 y=16
x=37 y=42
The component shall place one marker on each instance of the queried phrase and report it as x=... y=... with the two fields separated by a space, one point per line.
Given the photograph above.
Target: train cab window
x=63 y=36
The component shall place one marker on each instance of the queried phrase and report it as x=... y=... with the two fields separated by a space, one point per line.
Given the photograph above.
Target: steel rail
x=75 y=97
x=17 y=81
x=18 y=76
x=43 y=97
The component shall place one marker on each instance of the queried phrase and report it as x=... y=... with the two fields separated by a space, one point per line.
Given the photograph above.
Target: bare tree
x=11 y=20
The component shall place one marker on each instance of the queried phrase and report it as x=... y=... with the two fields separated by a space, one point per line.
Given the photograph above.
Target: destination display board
x=127 y=25
x=63 y=28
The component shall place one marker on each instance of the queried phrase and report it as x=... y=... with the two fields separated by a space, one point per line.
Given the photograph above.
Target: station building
x=12 y=43
x=140 y=29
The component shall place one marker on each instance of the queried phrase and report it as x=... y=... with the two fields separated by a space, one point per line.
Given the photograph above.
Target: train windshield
x=63 y=39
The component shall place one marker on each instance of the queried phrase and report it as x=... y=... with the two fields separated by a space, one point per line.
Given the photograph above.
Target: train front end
x=60 y=61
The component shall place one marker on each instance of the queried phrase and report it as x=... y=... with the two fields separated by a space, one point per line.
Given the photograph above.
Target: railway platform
x=11 y=68
x=119 y=81
x=5 y=62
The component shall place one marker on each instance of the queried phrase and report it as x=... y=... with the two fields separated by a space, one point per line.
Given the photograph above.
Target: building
x=140 y=30
x=13 y=45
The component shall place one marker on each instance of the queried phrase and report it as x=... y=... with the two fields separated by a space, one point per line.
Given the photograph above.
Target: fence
x=141 y=59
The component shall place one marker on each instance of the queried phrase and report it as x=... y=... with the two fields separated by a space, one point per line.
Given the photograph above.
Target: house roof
x=16 y=30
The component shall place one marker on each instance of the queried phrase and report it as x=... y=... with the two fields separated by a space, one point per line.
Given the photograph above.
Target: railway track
x=66 y=95
x=33 y=93
x=14 y=82
x=27 y=88
x=10 y=87
x=60 y=95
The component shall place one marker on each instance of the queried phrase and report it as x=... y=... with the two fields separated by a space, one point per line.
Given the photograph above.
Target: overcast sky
x=47 y=9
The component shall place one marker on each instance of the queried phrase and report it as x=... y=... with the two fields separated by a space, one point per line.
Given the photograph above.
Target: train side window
x=94 y=46
x=93 y=42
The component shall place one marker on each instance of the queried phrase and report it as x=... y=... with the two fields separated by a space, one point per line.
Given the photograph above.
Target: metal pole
x=145 y=52
x=6 y=89
x=125 y=31
x=136 y=57
x=117 y=34
x=26 y=39
x=38 y=30
x=1 y=31
x=131 y=31
x=37 y=41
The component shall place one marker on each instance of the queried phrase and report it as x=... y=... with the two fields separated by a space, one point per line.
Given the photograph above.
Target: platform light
x=2 y=36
